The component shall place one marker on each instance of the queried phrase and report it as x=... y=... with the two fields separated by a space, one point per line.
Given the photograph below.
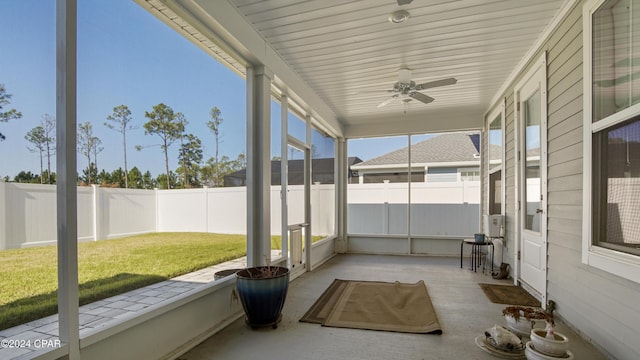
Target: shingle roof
x=453 y=147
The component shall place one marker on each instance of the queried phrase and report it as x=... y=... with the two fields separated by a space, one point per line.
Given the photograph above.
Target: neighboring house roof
x=453 y=147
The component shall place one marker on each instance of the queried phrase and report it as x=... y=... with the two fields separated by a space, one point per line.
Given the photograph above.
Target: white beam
x=284 y=163
x=66 y=190
x=465 y=119
x=258 y=165
x=307 y=194
x=341 y=169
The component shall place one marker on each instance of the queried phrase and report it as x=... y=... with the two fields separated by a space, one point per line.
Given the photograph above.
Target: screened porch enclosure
x=520 y=68
x=417 y=186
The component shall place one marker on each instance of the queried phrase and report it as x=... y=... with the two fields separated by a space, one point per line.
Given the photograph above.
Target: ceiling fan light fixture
x=404 y=76
x=399 y=16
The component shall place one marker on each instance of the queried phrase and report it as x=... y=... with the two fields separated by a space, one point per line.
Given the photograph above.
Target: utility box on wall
x=493 y=225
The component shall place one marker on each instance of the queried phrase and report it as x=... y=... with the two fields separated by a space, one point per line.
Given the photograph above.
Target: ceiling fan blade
x=404 y=2
x=421 y=97
x=432 y=84
x=386 y=102
x=372 y=92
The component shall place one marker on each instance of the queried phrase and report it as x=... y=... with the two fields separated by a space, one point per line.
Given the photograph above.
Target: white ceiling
x=348 y=53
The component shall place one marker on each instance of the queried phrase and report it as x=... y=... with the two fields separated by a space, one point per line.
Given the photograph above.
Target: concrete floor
x=462 y=308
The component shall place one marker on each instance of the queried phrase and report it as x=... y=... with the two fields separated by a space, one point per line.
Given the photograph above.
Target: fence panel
x=30 y=214
x=124 y=212
x=28 y=211
x=227 y=210
x=86 y=213
x=182 y=210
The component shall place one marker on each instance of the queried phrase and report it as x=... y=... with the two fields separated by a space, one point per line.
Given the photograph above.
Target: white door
x=297 y=193
x=532 y=170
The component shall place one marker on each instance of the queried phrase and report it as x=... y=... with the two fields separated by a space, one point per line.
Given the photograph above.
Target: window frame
x=612 y=261
x=498 y=110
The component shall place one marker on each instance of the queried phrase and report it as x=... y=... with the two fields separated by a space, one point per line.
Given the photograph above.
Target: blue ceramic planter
x=262 y=298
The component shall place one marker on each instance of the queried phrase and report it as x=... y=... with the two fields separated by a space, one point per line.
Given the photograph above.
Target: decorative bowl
x=532 y=354
x=523 y=326
x=557 y=346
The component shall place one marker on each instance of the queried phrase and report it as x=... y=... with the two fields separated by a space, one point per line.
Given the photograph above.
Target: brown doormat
x=509 y=294
x=321 y=308
x=375 y=305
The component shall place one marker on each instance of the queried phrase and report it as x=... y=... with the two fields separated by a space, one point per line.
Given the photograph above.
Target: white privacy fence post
x=205 y=190
x=157 y=209
x=97 y=213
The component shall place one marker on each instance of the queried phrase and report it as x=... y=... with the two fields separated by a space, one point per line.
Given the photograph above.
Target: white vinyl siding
x=442 y=175
x=610 y=301
x=452 y=174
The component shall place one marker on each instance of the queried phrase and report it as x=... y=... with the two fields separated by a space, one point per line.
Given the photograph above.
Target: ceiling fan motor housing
x=404 y=87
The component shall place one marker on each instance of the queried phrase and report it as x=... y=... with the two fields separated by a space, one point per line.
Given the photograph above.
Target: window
x=469 y=174
x=494 y=155
x=616 y=174
x=392 y=177
x=378 y=204
x=612 y=137
x=427 y=201
x=616 y=46
x=323 y=188
x=28 y=274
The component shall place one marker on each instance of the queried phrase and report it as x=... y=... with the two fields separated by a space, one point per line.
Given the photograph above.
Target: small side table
x=476 y=253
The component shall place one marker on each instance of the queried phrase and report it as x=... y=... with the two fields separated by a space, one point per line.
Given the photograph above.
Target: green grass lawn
x=29 y=277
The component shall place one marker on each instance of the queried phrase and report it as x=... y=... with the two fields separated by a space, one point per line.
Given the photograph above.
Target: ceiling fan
x=406 y=89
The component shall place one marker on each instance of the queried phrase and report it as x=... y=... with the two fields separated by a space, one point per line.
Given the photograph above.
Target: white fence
x=28 y=211
x=224 y=210
x=28 y=214
x=437 y=209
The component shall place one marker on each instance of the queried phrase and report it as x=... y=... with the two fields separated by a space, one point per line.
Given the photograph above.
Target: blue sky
x=125 y=56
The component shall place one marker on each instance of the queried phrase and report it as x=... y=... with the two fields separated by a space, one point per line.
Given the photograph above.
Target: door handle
x=539 y=211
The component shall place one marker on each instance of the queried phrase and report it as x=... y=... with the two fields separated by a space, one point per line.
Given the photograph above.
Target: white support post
x=258 y=165
x=66 y=194
x=307 y=195
x=284 y=164
x=317 y=207
x=409 y=241
x=386 y=211
x=342 y=177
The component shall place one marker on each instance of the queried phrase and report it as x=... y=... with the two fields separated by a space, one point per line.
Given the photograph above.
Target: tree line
x=162 y=121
